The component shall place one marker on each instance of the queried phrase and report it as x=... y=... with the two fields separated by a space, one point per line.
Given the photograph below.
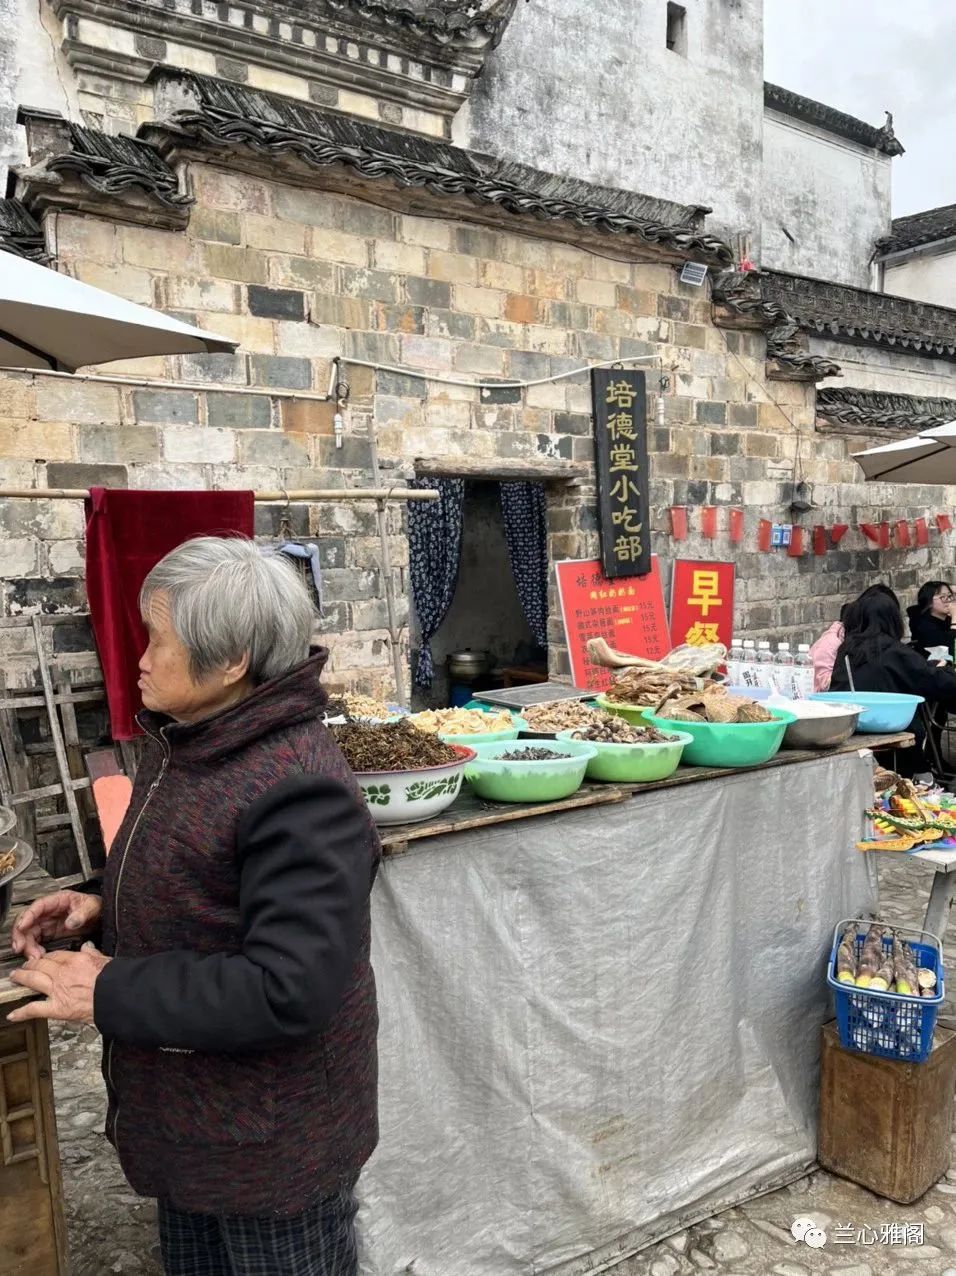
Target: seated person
x=824 y=651
x=933 y=618
x=879 y=660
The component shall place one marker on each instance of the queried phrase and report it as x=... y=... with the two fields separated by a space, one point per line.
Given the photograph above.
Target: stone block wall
x=301 y=276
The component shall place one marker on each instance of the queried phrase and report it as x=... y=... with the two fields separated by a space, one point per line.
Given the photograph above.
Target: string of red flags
x=713 y=522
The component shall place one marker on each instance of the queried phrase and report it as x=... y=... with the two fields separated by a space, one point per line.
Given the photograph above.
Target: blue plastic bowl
x=886 y=711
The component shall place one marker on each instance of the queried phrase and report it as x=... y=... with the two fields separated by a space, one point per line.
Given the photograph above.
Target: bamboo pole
x=300 y=495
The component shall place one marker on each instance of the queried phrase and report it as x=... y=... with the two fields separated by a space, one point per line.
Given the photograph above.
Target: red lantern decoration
x=708 y=521
x=902 y=533
x=764 y=535
x=884 y=530
x=837 y=533
x=871 y=532
x=922 y=532
x=679 y=522
x=795 y=548
x=944 y=523
x=819 y=540
x=736 y=526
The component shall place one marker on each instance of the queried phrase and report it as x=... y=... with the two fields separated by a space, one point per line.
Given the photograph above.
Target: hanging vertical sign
x=621 y=469
x=702 y=603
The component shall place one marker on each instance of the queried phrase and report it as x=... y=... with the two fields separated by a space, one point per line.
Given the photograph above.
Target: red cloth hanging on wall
x=127 y=533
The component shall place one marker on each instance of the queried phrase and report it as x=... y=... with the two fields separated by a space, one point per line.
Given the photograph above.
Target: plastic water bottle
x=748 y=664
x=802 y=673
x=764 y=666
x=735 y=663
x=783 y=669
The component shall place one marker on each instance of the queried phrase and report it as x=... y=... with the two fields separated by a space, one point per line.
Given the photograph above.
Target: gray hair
x=227 y=599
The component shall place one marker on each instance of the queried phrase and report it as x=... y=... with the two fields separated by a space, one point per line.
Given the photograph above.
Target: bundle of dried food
x=713 y=704
x=564 y=715
x=610 y=729
x=461 y=721
x=8 y=862
x=390 y=746
x=699 y=661
x=647 y=686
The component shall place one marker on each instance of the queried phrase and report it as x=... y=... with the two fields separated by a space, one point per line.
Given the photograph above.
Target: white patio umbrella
x=49 y=320
x=926 y=458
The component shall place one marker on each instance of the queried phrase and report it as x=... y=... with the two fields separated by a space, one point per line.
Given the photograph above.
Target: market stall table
x=600 y=1018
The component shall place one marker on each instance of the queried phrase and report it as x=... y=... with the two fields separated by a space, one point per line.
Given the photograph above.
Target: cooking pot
x=466 y=665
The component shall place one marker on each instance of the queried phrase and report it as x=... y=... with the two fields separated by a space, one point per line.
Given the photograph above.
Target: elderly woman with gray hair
x=232 y=983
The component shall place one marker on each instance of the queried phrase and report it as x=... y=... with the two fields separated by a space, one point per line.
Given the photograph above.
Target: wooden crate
x=885 y=1124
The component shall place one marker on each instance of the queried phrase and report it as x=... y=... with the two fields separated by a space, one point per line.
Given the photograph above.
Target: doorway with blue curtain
x=478 y=568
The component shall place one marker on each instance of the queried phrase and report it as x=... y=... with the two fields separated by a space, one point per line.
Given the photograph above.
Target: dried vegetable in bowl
x=610 y=729
x=8 y=862
x=461 y=721
x=365 y=707
x=531 y=755
x=564 y=715
x=390 y=746
x=713 y=704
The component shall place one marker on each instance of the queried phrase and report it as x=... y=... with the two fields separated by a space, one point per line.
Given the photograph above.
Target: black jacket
x=893 y=666
x=929 y=631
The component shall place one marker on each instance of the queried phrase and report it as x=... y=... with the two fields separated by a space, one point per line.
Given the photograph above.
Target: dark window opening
x=677 y=29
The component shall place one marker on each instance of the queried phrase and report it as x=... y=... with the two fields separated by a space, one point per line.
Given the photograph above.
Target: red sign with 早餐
x=628 y=613
x=702 y=603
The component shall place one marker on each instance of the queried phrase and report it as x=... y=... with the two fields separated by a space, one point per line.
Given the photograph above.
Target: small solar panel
x=693 y=272
x=537 y=693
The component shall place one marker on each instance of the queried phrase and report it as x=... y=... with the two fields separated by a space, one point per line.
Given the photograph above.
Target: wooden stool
x=32 y=1225
x=886 y=1124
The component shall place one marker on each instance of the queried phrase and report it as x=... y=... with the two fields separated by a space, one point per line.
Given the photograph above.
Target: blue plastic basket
x=886 y=1023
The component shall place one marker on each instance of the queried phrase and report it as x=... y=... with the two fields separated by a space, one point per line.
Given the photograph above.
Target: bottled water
x=783 y=669
x=764 y=666
x=802 y=673
x=748 y=665
x=735 y=663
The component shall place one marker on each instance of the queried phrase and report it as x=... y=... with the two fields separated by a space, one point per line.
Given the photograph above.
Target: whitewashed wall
x=591 y=91
x=928 y=277
x=30 y=73
x=866 y=368
x=831 y=195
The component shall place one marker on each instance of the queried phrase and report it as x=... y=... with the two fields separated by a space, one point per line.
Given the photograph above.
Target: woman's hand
x=66 y=915
x=65 y=980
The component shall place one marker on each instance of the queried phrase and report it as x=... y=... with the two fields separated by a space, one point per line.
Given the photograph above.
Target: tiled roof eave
x=375 y=153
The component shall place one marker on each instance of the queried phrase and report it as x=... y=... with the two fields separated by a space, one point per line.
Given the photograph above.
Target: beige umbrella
x=49 y=320
x=926 y=458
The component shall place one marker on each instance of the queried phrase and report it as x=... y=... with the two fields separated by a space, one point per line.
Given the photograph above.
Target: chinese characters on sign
x=628 y=614
x=621 y=468
x=702 y=603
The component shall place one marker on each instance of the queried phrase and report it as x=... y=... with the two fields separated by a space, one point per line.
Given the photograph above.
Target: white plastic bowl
x=406 y=797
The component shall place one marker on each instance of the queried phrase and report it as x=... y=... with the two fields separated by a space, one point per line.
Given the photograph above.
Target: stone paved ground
x=111 y=1230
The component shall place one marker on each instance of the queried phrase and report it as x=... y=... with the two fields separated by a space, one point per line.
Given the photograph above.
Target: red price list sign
x=628 y=614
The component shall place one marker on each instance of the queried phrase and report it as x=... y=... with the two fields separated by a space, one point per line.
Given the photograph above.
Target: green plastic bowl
x=633 y=763
x=730 y=744
x=528 y=781
x=637 y=715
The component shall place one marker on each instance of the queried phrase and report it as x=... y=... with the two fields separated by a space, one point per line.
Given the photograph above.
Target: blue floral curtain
x=524 y=510
x=434 y=546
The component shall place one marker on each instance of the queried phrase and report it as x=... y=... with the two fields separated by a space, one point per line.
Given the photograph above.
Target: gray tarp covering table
x=601 y=1025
